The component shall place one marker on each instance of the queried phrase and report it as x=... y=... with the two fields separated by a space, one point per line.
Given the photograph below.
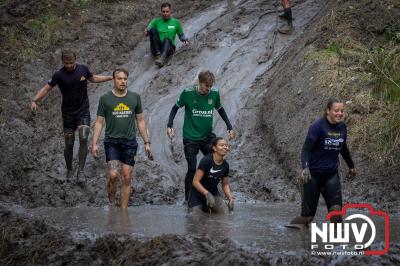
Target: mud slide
x=238 y=41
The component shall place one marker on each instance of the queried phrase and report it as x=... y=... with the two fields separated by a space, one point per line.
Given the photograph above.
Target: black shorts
x=328 y=185
x=122 y=150
x=71 y=121
x=196 y=198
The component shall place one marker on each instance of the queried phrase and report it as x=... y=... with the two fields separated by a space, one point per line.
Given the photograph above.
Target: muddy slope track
x=238 y=43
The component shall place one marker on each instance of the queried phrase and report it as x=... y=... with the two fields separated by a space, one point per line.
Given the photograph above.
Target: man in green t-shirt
x=200 y=101
x=162 y=32
x=121 y=110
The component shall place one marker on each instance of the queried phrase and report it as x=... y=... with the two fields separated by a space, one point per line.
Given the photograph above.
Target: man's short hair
x=116 y=71
x=68 y=54
x=206 y=77
x=165 y=4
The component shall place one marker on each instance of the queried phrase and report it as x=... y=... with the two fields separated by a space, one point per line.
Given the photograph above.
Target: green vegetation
x=392 y=31
x=82 y=3
x=386 y=63
x=32 y=36
x=370 y=78
x=332 y=47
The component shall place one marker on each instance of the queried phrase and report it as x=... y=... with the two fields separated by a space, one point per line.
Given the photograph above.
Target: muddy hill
x=273 y=87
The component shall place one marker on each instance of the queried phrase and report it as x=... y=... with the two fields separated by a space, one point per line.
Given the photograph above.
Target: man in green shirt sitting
x=162 y=32
x=121 y=111
x=199 y=100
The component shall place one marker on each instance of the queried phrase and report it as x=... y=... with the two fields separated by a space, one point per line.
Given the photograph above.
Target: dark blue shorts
x=326 y=184
x=122 y=150
x=71 y=121
x=196 y=198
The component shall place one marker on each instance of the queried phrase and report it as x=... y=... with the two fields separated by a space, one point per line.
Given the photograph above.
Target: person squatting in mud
x=72 y=80
x=199 y=101
x=326 y=138
x=121 y=111
x=213 y=168
x=162 y=32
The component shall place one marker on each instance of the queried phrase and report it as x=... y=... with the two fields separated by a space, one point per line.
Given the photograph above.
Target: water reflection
x=252 y=224
x=119 y=220
x=200 y=223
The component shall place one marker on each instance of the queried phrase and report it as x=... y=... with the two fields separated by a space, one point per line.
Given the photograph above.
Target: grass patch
x=370 y=78
x=32 y=36
x=377 y=133
x=322 y=56
x=386 y=63
x=82 y=3
x=392 y=32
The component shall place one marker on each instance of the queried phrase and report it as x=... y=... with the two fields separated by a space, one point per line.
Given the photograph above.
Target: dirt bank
x=273 y=87
x=26 y=241
x=32 y=169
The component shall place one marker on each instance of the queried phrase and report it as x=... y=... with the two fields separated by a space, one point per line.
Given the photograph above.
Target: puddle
x=253 y=225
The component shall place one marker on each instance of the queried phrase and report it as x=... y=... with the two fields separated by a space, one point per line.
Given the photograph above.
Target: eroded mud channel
x=238 y=41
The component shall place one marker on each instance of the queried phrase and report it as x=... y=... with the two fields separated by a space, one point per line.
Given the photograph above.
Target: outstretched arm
x=172 y=114
x=347 y=157
x=40 y=95
x=99 y=79
x=98 y=126
x=226 y=188
x=143 y=132
x=196 y=182
x=224 y=116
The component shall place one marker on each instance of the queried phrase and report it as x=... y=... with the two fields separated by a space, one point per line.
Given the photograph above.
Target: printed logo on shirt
x=333 y=144
x=334 y=134
x=121 y=110
x=212 y=171
x=82 y=78
x=171 y=27
x=210 y=101
x=201 y=113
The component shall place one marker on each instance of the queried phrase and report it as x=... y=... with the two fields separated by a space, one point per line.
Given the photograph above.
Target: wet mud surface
x=259 y=73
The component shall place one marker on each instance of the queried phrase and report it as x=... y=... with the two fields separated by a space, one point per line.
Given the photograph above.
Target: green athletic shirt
x=166 y=29
x=199 y=109
x=119 y=113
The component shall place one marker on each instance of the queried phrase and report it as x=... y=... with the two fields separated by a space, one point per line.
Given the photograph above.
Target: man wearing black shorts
x=72 y=80
x=121 y=111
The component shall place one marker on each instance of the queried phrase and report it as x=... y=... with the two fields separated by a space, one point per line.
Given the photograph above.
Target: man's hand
x=34 y=106
x=170 y=132
x=352 y=172
x=95 y=151
x=146 y=32
x=231 y=134
x=148 y=151
x=210 y=200
x=305 y=176
x=230 y=205
x=186 y=43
